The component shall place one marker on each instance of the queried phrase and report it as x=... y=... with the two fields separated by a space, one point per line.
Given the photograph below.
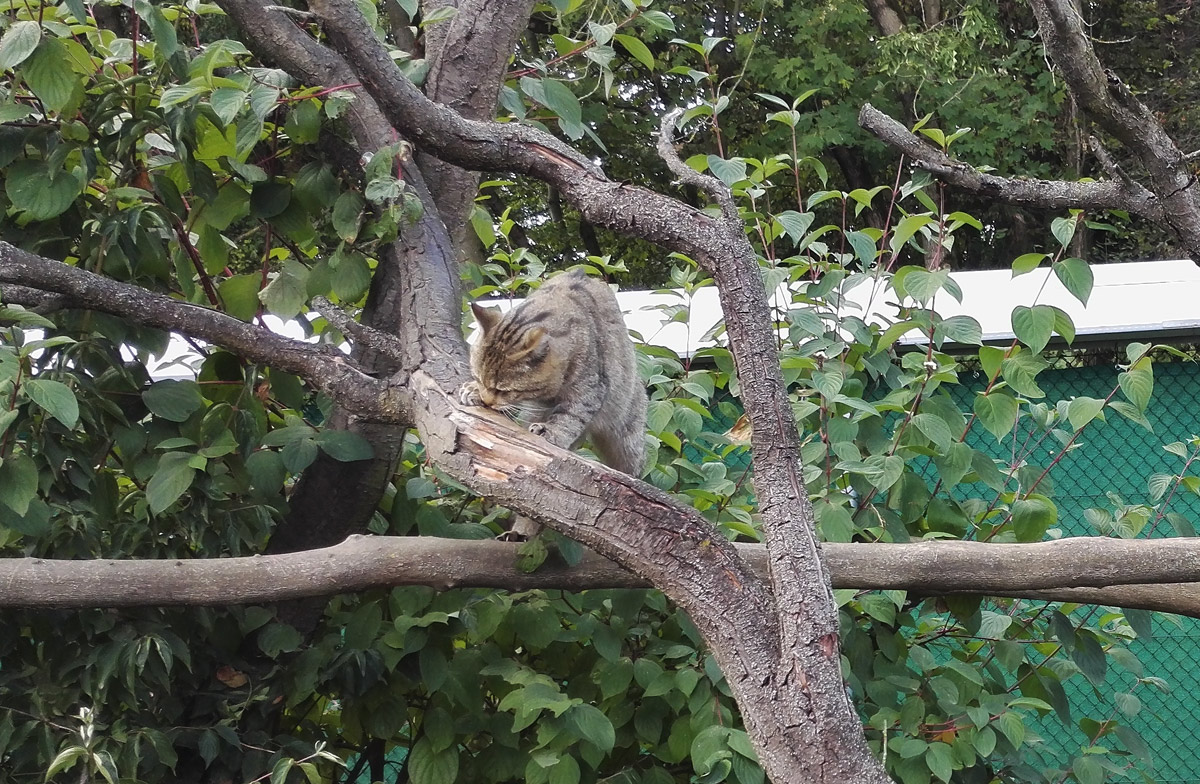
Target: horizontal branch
x=322 y=366
x=1051 y=194
x=1087 y=569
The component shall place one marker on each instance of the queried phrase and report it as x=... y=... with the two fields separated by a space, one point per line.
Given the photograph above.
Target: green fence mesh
x=1118 y=457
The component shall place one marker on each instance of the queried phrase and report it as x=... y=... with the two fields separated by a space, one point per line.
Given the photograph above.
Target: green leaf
x=922 y=285
x=1127 y=703
x=997 y=412
x=363 y=627
x=1134 y=742
x=426 y=766
x=441 y=14
x=1131 y=413
x=41 y=193
x=18 y=482
x=795 y=223
x=590 y=723
x=55 y=398
x=276 y=638
x=935 y=429
x=1012 y=726
x=709 y=747
x=1020 y=372
x=1158 y=485
x=658 y=19
x=953 y=466
x=894 y=333
x=173 y=400
x=172 y=478
x=906 y=228
x=1063 y=230
x=298 y=455
x=304 y=122
x=351 y=275
x=65 y=760
x=161 y=30
x=1087 y=770
x=1063 y=324
x=637 y=49
x=565 y=771
x=1137 y=384
x=1033 y=326
x=561 y=101
x=889 y=469
x=269 y=199
x=281 y=769
x=1032 y=517
x=729 y=172
x=1027 y=263
x=1076 y=276
x=1089 y=656
x=6 y=420
x=18 y=43
x=227 y=102
x=49 y=74
x=344 y=446
x=828 y=382
x=1083 y=410
x=239 y=295
x=961 y=329
x=940 y=759
x=266 y=471
x=286 y=295
x=834 y=522
x=990 y=359
x=347 y=214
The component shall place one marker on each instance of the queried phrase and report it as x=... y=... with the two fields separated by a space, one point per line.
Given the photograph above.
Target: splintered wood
x=497 y=447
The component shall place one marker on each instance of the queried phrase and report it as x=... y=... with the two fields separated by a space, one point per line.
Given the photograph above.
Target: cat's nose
x=488 y=397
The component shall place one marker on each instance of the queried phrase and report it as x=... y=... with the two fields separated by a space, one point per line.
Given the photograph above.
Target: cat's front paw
x=468 y=394
x=538 y=428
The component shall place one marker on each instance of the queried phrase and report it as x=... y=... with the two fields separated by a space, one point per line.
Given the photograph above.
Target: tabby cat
x=563 y=362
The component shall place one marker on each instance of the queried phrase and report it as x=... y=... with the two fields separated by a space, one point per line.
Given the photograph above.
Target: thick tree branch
x=784 y=670
x=35 y=299
x=322 y=366
x=1094 y=570
x=808 y=623
x=362 y=334
x=1105 y=194
x=467 y=57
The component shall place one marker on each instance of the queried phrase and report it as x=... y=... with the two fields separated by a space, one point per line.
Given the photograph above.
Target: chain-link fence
x=1112 y=466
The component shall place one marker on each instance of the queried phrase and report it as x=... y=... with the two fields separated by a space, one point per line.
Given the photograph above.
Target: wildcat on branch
x=563 y=363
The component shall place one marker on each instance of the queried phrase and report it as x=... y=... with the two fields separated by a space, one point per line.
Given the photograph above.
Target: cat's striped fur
x=564 y=361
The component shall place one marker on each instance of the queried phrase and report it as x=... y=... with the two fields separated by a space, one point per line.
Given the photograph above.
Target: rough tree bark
x=1092 y=570
x=1170 y=198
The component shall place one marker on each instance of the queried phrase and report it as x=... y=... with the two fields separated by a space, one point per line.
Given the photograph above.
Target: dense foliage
x=140 y=144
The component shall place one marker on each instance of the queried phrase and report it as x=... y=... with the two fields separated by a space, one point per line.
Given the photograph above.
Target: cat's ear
x=486 y=317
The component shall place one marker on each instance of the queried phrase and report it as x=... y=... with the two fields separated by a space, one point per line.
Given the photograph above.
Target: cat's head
x=515 y=360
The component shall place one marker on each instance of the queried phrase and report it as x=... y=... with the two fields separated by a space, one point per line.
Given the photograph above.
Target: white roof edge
x=1127 y=298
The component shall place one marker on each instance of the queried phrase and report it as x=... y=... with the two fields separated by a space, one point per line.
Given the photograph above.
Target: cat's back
x=577 y=295
x=596 y=322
